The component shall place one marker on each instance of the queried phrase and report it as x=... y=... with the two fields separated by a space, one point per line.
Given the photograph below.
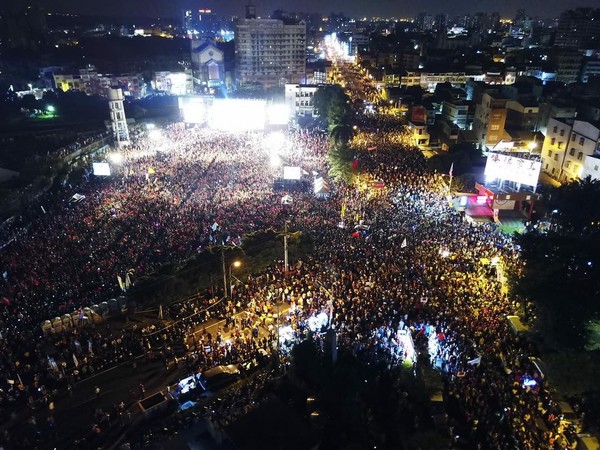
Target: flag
x=474 y=362
x=121 y=285
x=355 y=164
x=215 y=226
x=75 y=360
x=151 y=171
x=451 y=169
x=127 y=281
x=343 y=210
x=404 y=243
x=43 y=209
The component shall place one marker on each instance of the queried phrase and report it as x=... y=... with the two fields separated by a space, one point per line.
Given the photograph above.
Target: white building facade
x=270 y=52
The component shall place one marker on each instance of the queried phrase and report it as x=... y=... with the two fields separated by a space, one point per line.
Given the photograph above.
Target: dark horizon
x=172 y=9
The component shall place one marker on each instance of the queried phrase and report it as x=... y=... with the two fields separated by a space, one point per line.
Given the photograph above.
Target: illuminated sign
x=101 y=169
x=511 y=168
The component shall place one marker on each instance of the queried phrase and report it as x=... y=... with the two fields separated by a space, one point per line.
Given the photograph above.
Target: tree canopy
x=562 y=266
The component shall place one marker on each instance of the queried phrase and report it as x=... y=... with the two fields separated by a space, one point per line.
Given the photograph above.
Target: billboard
x=101 y=169
x=512 y=168
x=418 y=114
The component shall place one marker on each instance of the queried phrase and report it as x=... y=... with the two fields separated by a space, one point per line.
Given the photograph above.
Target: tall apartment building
x=271 y=52
x=579 y=28
x=567 y=146
x=490 y=120
x=568 y=64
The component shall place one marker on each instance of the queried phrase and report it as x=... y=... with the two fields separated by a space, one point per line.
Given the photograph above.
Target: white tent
x=321 y=187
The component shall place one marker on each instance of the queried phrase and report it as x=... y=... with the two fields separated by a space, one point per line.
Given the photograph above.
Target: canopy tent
x=321 y=188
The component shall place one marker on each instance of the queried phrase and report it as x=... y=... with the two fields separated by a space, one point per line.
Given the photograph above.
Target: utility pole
x=285 y=249
x=224 y=272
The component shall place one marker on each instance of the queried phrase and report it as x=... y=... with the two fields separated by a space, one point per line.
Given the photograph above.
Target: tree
x=341 y=134
x=340 y=162
x=576 y=206
x=562 y=266
x=331 y=103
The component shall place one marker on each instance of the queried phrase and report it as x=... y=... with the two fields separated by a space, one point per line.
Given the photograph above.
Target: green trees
x=336 y=114
x=562 y=267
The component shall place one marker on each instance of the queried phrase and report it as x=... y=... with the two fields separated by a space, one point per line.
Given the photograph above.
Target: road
x=74 y=414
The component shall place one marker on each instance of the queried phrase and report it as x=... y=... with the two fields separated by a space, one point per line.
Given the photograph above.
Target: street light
x=235 y=264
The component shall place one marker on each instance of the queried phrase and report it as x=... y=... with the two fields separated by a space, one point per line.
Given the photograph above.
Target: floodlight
x=154 y=134
x=275 y=160
x=116 y=158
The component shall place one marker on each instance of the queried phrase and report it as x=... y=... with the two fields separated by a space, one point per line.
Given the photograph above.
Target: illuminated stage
x=230 y=114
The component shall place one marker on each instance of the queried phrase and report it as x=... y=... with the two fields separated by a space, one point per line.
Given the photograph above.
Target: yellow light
x=237 y=264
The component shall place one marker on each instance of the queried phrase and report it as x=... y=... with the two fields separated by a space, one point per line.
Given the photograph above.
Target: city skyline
x=351 y=8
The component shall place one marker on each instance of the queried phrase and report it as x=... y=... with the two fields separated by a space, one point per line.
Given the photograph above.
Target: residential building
x=269 y=51
x=522 y=114
x=555 y=145
x=579 y=28
x=490 y=120
x=92 y=83
x=429 y=80
x=459 y=113
x=567 y=144
x=299 y=99
x=556 y=108
x=584 y=141
x=417 y=126
x=359 y=43
x=590 y=70
x=568 y=65
x=591 y=167
x=175 y=83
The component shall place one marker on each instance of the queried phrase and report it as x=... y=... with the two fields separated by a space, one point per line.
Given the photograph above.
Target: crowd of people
x=418 y=268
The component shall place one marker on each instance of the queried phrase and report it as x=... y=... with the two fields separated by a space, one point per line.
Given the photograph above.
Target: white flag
x=474 y=362
x=451 y=169
x=404 y=243
x=121 y=285
x=75 y=360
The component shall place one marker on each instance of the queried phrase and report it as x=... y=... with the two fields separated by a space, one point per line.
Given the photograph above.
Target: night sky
x=352 y=8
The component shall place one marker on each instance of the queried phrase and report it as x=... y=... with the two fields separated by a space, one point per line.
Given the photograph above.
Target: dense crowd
x=416 y=267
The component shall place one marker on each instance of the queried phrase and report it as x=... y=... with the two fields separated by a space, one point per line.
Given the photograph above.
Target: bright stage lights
x=154 y=134
x=116 y=158
x=275 y=160
x=237 y=115
x=278 y=114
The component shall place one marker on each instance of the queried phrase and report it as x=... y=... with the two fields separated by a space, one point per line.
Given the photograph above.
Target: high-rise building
x=579 y=28
x=269 y=51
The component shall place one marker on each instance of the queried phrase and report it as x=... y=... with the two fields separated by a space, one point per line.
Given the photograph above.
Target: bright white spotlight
x=275 y=141
x=278 y=114
x=116 y=158
x=445 y=253
x=150 y=126
x=275 y=160
x=154 y=134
